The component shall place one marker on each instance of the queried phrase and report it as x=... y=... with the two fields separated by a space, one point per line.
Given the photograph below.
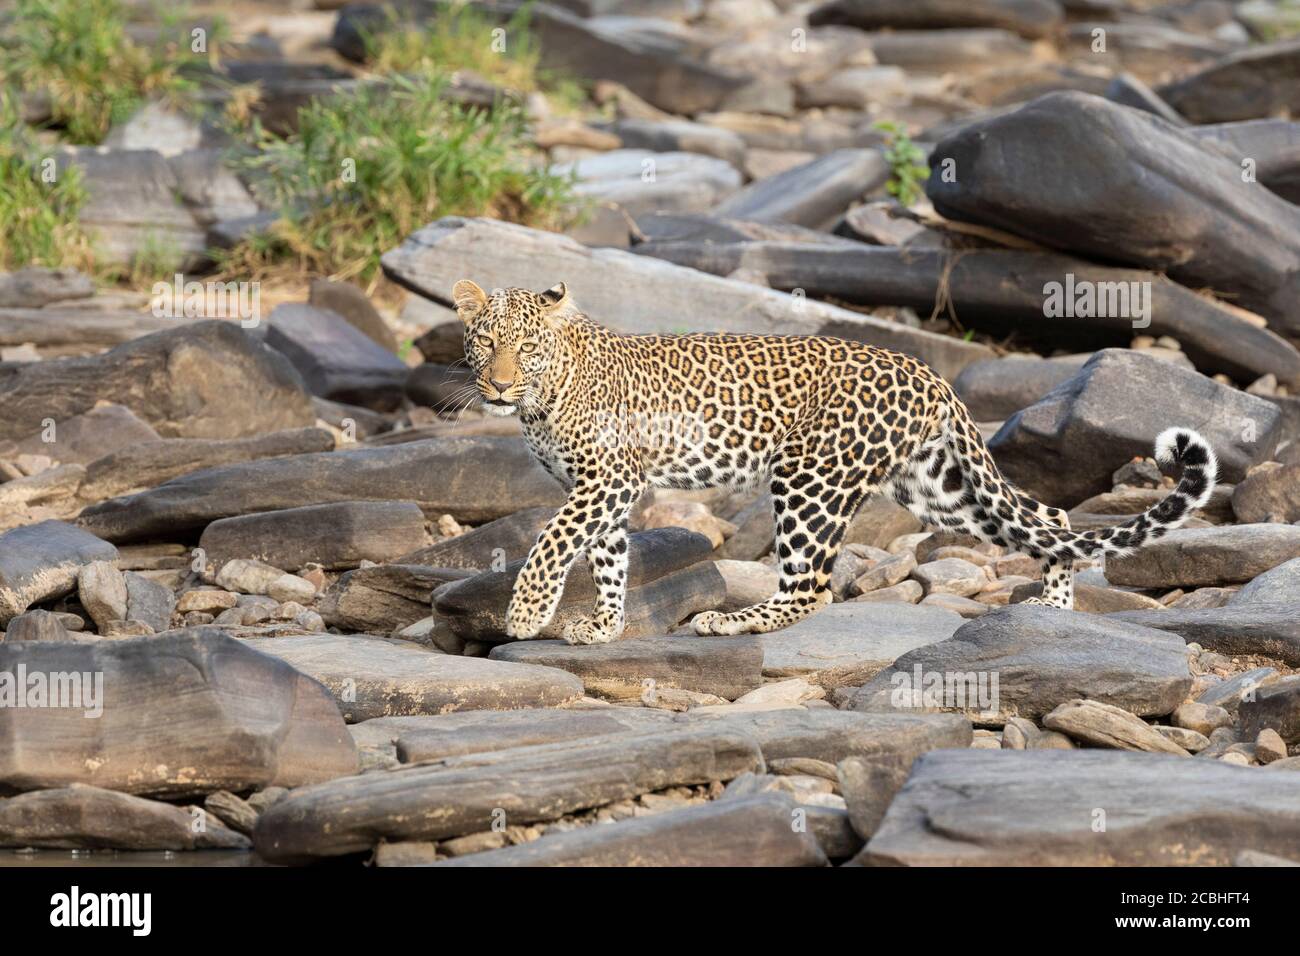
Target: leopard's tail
x=1200 y=471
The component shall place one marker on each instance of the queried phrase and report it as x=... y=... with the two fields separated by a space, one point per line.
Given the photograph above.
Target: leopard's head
x=511 y=339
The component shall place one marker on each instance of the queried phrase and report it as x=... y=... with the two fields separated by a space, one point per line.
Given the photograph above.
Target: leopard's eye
x=483 y=341
x=526 y=347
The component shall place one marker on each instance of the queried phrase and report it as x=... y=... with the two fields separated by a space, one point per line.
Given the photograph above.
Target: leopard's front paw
x=584 y=630
x=524 y=622
x=719 y=624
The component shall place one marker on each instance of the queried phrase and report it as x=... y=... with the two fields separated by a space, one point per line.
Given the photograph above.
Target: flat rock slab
x=1030 y=18
x=495 y=543
x=1040 y=808
x=135 y=466
x=725 y=666
x=179 y=714
x=814 y=194
x=81 y=817
x=1260 y=80
x=633 y=293
x=830 y=735
x=846 y=644
x=1024 y=660
x=467 y=794
x=202 y=380
x=1204 y=557
x=473 y=479
x=83 y=438
x=480 y=731
x=753 y=831
x=1269 y=630
x=1065 y=447
x=338 y=535
x=377 y=677
x=41 y=561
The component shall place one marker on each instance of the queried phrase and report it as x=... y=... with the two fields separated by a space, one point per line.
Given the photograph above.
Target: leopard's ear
x=469 y=299
x=555 y=304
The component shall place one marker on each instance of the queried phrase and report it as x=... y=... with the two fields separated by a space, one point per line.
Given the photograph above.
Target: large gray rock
x=186 y=713
x=496 y=543
x=473 y=479
x=752 y=831
x=476 y=607
x=641 y=181
x=1272 y=146
x=78 y=328
x=632 y=293
x=1023 y=661
x=1092 y=192
x=724 y=667
x=846 y=644
x=80 y=817
x=1030 y=18
x=202 y=380
x=468 y=794
x=997 y=389
x=814 y=194
x=1044 y=807
x=664 y=69
x=1066 y=446
x=36 y=286
x=1259 y=81
x=336 y=359
x=135 y=466
x=1056 y=301
x=1267 y=630
x=376 y=677
x=418 y=739
x=84 y=438
x=339 y=535
x=1275 y=706
x=1269 y=493
x=1201 y=557
x=41 y=561
x=1279 y=585
x=384 y=598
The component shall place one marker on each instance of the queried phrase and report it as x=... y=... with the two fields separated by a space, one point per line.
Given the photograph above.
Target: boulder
x=1200 y=557
x=377 y=677
x=1270 y=492
x=634 y=669
x=633 y=293
x=814 y=194
x=339 y=535
x=135 y=466
x=1041 y=808
x=476 y=607
x=1275 y=707
x=336 y=359
x=473 y=479
x=175 y=715
x=39 y=562
x=80 y=817
x=1030 y=18
x=1024 y=660
x=84 y=438
x=1272 y=146
x=751 y=831
x=202 y=380
x=1066 y=446
x=1272 y=587
x=1091 y=193
x=462 y=795
x=384 y=598
x=1261 y=80
x=845 y=644
x=351 y=302
x=1249 y=629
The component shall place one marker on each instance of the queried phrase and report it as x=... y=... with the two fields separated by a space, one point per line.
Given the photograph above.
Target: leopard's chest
x=551 y=452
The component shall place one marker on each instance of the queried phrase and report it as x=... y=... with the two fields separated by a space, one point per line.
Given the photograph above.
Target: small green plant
x=906 y=162
x=78 y=55
x=38 y=203
x=464 y=38
x=370 y=165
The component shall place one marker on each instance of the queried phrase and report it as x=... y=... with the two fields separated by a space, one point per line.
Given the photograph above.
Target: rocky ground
x=271 y=560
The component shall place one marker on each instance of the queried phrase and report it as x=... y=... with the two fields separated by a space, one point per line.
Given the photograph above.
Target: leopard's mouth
x=499 y=407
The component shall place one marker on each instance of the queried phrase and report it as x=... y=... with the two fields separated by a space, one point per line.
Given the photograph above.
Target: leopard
x=826 y=422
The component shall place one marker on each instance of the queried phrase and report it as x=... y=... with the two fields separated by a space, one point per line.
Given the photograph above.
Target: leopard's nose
x=501 y=386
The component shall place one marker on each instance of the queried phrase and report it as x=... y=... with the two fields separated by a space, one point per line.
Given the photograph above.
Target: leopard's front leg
x=608 y=559
x=596 y=509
